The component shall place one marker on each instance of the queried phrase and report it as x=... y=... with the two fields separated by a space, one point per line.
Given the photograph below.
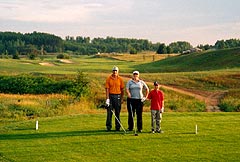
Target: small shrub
x=32 y=56
x=63 y=56
x=79 y=86
x=226 y=107
x=133 y=51
x=172 y=106
x=231 y=102
x=16 y=56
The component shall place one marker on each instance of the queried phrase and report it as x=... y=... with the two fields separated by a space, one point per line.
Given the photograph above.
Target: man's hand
x=108 y=102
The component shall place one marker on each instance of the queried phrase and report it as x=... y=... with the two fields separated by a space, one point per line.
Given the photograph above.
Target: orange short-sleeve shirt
x=114 y=84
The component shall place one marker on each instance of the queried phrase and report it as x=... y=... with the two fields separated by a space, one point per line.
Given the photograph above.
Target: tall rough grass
x=231 y=102
x=32 y=106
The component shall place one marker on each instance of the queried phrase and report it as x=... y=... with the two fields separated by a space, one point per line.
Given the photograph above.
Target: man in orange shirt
x=114 y=98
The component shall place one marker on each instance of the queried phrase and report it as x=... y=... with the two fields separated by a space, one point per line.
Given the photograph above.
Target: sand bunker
x=65 y=61
x=46 y=64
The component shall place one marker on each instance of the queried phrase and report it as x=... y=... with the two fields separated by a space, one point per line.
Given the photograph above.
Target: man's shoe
x=159 y=131
x=118 y=129
x=153 y=131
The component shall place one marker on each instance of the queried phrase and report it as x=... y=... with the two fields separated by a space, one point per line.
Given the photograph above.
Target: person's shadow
x=37 y=135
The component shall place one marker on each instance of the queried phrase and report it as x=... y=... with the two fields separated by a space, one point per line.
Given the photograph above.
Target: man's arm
x=107 y=93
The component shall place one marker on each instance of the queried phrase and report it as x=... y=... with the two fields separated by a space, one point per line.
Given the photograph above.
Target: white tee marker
x=196 y=129
x=36 y=124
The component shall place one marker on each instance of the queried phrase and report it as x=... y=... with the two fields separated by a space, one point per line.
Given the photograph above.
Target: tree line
x=36 y=43
x=83 y=45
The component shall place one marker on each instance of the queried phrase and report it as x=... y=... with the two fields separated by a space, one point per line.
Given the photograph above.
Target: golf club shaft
x=118 y=120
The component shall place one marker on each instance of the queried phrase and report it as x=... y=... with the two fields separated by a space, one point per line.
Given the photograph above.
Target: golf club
x=135 y=132
x=118 y=120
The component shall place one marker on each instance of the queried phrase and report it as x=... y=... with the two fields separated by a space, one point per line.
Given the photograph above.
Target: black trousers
x=134 y=105
x=115 y=105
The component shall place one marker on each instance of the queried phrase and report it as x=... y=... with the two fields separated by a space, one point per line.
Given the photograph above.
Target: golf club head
x=107 y=106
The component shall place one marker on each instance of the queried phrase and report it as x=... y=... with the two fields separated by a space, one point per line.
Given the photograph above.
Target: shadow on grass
x=185 y=133
x=57 y=134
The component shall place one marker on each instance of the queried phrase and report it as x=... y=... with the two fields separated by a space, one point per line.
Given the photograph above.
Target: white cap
x=136 y=72
x=115 y=68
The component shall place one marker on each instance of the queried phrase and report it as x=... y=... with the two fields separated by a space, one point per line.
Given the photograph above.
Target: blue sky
x=165 y=21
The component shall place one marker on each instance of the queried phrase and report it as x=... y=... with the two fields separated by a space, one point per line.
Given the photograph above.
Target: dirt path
x=211 y=99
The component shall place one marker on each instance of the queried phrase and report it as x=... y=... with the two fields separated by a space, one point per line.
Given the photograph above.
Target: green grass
x=83 y=138
x=88 y=64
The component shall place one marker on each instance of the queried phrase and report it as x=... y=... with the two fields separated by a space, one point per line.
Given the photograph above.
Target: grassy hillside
x=99 y=67
x=146 y=62
x=212 y=60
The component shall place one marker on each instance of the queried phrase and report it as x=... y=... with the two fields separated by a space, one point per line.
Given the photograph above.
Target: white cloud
x=57 y=11
x=36 y=11
x=156 y=20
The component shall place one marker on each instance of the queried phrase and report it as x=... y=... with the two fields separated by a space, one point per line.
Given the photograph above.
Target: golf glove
x=143 y=99
x=108 y=102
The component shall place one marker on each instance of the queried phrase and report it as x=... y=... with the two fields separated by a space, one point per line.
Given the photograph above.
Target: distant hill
x=211 y=60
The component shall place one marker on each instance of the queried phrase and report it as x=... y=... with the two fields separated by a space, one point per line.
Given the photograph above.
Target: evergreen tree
x=162 y=49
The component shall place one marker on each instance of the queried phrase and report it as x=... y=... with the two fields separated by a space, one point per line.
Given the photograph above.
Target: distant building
x=192 y=50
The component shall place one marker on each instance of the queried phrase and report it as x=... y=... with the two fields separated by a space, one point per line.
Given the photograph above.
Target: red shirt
x=157 y=98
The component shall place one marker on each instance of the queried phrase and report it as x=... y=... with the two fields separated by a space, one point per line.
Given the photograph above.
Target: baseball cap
x=155 y=83
x=115 y=68
x=136 y=72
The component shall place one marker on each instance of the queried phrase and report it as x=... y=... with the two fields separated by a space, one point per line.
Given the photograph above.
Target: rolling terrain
x=204 y=61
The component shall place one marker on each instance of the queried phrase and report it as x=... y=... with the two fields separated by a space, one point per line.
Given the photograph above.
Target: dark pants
x=115 y=104
x=134 y=105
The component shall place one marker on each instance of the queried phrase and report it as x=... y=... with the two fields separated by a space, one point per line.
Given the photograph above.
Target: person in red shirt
x=157 y=107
